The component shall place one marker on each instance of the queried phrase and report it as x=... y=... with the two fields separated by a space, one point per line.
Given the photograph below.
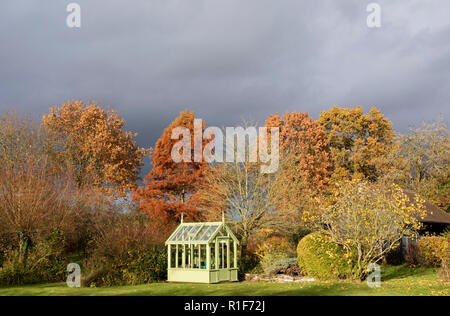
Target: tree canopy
x=168 y=188
x=305 y=160
x=92 y=140
x=356 y=141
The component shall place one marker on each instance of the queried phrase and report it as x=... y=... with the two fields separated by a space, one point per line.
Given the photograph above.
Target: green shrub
x=37 y=269
x=248 y=264
x=136 y=266
x=319 y=257
x=433 y=249
x=12 y=274
x=125 y=252
x=257 y=270
x=272 y=258
x=44 y=263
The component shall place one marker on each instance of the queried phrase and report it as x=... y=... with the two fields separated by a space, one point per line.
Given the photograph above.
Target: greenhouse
x=202 y=253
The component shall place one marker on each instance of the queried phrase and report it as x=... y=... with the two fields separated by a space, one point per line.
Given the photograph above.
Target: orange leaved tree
x=305 y=162
x=93 y=142
x=169 y=187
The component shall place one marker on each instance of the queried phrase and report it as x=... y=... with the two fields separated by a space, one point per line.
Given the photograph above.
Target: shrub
x=43 y=265
x=444 y=271
x=3 y=254
x=125 y=252
x=285 y=266
x=273 y=250
x=446 y=234
x=432 y=250
x=394 y=256
x=320 y=257
x=291 y=270
x=272 y=258
x=412 y=256
x=299 y=234
x=136 y=266
x=15 y=273
x=257 y=270
x=249 y=264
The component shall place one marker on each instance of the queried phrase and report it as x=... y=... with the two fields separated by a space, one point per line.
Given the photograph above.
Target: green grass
x=398 y=280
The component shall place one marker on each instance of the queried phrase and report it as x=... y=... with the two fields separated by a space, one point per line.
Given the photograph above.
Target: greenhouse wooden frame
x=204 y=252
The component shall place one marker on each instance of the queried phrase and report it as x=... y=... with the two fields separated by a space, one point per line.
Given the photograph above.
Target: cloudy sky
x=226 y=59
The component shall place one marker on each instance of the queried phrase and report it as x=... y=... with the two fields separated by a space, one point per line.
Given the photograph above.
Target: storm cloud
x=226 y=59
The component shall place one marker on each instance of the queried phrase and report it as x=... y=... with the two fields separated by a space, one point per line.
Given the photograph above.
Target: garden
x=350 y=196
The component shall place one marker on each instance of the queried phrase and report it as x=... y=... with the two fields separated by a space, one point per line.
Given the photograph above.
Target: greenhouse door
x=224 y=269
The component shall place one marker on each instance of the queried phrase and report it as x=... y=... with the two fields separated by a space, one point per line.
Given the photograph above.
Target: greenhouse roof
x=198 y=233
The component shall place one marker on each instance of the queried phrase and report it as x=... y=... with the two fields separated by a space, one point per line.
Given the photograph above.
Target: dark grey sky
x=227 y=59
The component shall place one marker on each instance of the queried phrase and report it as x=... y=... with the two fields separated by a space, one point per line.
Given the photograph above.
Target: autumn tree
x=369 y=220
x=168 y=188
x=241 y=191
x=33 y=198
x=93 y=142
x=305 y=162
x=21 y=139
x=356 y=141
x=32 y=204
x=420 y=161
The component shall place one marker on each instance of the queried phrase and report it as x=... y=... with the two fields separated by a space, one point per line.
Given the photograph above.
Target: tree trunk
x=244 y=242
x=24 y=243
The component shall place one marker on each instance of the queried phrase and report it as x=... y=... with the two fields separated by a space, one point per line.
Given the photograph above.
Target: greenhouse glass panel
x=185 y=233
x=178 y=233
x=200 y=235
x=193 y=232
x=209 y=232
x=199 y=232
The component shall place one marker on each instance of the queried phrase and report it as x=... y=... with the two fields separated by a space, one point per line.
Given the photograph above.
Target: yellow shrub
x=274 y=244
x=433 y=250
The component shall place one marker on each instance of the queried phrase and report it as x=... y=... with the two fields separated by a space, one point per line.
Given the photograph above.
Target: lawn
x=398 y=280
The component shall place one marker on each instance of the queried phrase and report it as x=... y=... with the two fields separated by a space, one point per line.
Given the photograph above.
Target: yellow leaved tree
x=369 y=220
x=356 y=141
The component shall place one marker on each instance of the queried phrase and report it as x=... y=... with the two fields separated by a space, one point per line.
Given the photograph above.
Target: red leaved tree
x=169 y=187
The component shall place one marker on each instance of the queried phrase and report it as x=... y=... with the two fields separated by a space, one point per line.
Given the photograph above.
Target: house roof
x=199 y=233
x=434 y=213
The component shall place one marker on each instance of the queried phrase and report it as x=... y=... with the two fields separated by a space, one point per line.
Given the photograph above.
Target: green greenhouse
x=202 y=253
